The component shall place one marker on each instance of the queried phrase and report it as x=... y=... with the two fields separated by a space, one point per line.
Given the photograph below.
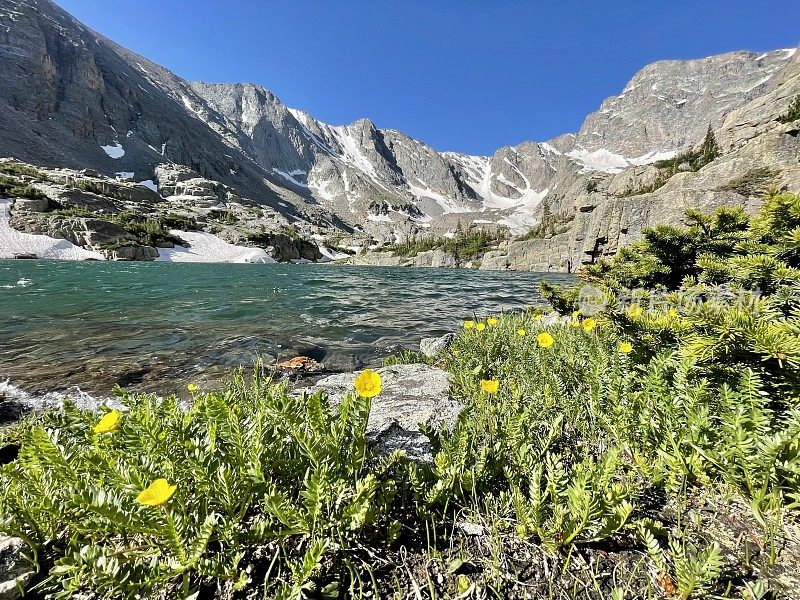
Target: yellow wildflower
x=469 y=324
x=480 y=326
x=368 y=383
x=635 y=311
x=576 y=314
x=157 y=493
x=521 y=332
x=109 y=423
x=491 y=321
x=545 y=340
x=589 y=324
x=490 y=386
x=625 y=348
x=193 y=387
x=672 y=313
x=538 y=317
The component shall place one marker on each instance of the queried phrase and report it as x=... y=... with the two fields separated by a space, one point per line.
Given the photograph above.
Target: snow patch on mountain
x=292 y=176
x=114 y=150
x=609 y=162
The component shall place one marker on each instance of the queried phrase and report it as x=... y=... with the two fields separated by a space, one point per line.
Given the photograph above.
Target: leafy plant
x=253 y=466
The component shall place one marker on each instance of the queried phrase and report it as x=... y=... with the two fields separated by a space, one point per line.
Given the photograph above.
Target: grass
x=650 y=450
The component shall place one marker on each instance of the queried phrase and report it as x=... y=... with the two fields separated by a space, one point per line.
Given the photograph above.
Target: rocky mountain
x=74 y=99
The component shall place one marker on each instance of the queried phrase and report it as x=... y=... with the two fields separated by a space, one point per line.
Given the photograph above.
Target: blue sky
x=462 y=75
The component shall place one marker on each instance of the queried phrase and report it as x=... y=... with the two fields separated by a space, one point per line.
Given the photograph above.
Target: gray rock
x=434 y=346
x=411 y=395
x=32 y=204
x=15 y=571
x=127 y=253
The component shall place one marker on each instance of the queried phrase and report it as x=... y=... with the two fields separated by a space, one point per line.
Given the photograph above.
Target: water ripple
x=94 y=324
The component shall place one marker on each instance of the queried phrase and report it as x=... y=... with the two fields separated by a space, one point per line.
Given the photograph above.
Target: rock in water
x=433 y=347
x=300 y=365
x=412 y=395
x=15 y=571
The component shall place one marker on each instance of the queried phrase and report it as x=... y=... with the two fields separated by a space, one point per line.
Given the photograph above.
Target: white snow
x=114 y=151
x=790 y=52
x=208 y=248
x=598 y=160
x=292 y=176
x=351 y=152
x=379 y=218
x=321 y=189
x=149 y=183
x=549 y=148
x=448 y=204
x=16 y=242
x=331 y=254
x=610 y=162
x=651 y=157
x=124 y=175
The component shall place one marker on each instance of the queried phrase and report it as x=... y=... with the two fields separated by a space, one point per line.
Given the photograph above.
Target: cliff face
x=756 y=152
x=72 y=98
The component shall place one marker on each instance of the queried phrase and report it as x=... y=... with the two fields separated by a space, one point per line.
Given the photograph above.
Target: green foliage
x=465 y=245
x=564 y=452
x=599 y=435
x=76 y=211
x=176 y=221
x=17 y=169
x=732 y=285
x=254 y=466
x=695 y=159
x=793 y=114
x=551 y=224
x=690 y=160
x=667 y=254
x=13 y=188
x=151 y=231
x=406 y=357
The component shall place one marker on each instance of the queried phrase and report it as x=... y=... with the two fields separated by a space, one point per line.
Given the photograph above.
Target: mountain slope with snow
x=76 y=99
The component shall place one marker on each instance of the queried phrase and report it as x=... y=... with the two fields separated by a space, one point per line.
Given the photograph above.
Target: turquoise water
x=155 y=326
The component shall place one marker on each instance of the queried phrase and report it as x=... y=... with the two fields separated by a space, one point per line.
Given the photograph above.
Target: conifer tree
x=710 y=149
x=793 y=113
